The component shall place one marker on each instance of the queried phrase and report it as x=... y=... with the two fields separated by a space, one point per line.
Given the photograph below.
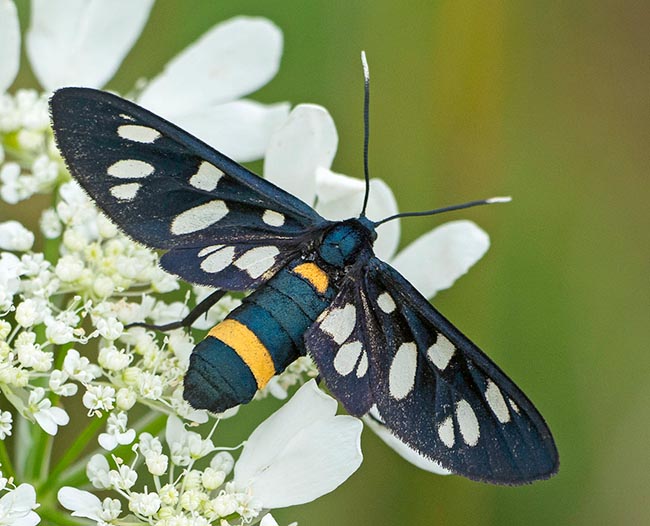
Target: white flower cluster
x=27 y=139
x=187 y=480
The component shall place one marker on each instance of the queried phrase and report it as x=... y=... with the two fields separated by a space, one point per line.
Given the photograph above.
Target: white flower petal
x=268 y=520
x=306 y=141
x=14 y=236
x=175 y=430
x=31 y=519
x=436 y=259
x=241 y=129
x=381 y=204
x=81 y=503
x=317 y=460
x=106 y=441
x=9 y=44
x=231 y=60
x=300 y=452
x=404 y=451
x=308 y=405
x=333 y=188
x=82 y=42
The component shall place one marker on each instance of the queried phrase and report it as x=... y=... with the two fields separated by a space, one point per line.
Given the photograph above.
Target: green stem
x=39 y=451
x=72 y=453
x=7 y=466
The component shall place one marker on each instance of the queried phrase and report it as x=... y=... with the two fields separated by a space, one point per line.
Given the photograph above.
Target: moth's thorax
x=341 y=243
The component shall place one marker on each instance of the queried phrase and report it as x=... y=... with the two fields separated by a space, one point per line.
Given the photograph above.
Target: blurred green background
x=544 y=101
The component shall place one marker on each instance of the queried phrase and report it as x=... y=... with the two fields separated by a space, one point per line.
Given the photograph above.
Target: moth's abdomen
x=257 y=340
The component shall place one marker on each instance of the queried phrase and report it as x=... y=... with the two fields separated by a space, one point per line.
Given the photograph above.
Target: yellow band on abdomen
x=314 y=274
x=249 y=348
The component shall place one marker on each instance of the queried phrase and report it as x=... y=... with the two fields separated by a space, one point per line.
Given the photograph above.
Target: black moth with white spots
x=379 y=343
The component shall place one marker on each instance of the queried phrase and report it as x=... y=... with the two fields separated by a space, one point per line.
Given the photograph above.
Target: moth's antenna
x=366 y=128
x=489 y=201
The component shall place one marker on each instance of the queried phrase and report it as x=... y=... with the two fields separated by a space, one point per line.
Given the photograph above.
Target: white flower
x=14 y=236
x=85 y=504
x=124 y=478
x=98 y=398
x=298 y=159
x=5 y=424
x=110 y=328
x=50 y=224
x=58 y=383
x=300 y=452
x=10 y=271
x=31 y=312
x=185 y=446
x=58 y=331
x=46 y=416
x=98 y=472
x=16 y=507
x=146 y=504
x=157 y=463
x=117 y=432
x=79 y=367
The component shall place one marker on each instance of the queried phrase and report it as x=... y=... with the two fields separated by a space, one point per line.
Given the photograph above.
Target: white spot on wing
x=401 y=377
x=270 y=217
x=130 y=169
x=446 y=432
x=339 y=323
x=346 y=357
x=218 y=260
x=208 y=250
x=386 y=302
x=137 y=133
x=440 y=353
x=496 y=402
x=514 y=406
x=199 y=217
x=126 y=117
x=206 y=177
x=125 y=192
x=257 y=261
x=468 y=423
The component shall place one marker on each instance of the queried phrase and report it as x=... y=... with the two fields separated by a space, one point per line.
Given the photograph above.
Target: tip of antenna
x=492 y=200
x=364 y=63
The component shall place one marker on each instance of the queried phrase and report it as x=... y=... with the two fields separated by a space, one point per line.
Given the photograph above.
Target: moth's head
x=341 y=243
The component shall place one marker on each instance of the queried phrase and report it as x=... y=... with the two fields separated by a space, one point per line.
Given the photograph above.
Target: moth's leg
x=197 y=311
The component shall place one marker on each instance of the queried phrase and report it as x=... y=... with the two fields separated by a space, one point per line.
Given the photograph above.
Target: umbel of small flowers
x=64 y=308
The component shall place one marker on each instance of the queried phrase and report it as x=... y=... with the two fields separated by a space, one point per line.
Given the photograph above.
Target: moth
x=317 y=288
